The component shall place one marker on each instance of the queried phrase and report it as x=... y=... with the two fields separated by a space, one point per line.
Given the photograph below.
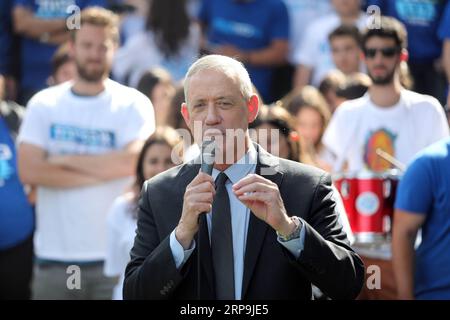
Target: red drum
x=369 y=201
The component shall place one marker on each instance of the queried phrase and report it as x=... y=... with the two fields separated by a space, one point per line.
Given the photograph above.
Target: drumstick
x=386 y=156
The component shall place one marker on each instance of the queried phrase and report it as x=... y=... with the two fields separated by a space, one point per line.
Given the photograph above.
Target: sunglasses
x=387 y=52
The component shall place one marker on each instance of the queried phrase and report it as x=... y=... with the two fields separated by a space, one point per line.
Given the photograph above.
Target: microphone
x=207 y=163
x=208 y=155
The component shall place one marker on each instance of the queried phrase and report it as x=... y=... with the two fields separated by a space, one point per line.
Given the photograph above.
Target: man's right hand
x=198 y=199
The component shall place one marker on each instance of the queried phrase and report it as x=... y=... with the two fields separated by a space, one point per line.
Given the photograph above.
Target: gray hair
x=229 y=66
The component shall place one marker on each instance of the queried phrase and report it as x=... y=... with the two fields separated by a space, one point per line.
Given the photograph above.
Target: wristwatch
x=294 y=234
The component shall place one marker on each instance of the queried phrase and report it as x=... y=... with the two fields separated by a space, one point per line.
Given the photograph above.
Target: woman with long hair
x=171 y=41
x=155 y=157
x=275 y=122
x=312 y=115
x=157 y=85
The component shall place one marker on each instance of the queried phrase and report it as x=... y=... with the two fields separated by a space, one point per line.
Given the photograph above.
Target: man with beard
x=398 y=121
x=78 y=143
x=388 y=117
x=42 y=25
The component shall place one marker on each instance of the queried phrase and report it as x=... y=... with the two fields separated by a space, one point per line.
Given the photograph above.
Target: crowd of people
x=91 y=96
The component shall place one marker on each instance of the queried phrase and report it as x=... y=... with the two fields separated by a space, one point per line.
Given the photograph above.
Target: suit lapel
x=267 y=166
x=185 y=177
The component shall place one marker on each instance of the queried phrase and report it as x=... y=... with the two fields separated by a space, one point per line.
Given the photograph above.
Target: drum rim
x=367 y=174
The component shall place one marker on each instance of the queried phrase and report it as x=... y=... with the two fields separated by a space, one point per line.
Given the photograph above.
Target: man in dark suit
x=271 y=228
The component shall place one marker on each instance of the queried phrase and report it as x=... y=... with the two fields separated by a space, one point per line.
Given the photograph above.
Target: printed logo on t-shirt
x=380 y=139
x=51 y=9
x=81 y=136
x=416 y=12
x=240 y=29
x=6 y=170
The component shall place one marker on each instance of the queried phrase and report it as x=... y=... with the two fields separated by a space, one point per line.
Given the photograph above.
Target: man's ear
x=362 y=56
x=253 y=107
x=404 y=56
x=185 y=113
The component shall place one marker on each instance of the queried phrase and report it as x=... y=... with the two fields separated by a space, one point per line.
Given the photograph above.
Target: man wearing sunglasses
x=388 y=117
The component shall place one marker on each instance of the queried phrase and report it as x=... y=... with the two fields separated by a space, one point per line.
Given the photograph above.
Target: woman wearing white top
x=155 y=157
x=171 y=41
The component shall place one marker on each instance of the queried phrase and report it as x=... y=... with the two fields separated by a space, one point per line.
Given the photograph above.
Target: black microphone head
x=208 y=155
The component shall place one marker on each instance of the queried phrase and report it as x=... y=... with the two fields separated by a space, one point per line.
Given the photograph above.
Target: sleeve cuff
x=180 y=255
x=295 y=246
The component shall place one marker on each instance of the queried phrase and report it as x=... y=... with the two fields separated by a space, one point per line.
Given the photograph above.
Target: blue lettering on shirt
x=416 y=12
x=236 y=28
x=53 y=9
x=81 y=136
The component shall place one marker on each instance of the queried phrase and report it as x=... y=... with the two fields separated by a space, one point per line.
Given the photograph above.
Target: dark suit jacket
x=270 y=270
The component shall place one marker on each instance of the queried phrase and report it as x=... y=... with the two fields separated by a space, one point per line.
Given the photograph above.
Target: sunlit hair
x=151 y=78
x=308 y=97
x=390 y=28
x=332 y=81
x=100 y=17
x=346 y=31
x=282 y=120
x=61 y=57
x=229 y=66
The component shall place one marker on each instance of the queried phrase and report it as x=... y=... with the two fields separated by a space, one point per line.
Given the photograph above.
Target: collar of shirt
x=243 y=167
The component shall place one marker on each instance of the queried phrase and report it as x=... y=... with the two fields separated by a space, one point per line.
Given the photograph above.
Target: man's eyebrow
x=216 y=98
x=198 y=100
x=224 y=97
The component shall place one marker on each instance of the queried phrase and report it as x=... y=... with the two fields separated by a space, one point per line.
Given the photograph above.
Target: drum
x=368 y=198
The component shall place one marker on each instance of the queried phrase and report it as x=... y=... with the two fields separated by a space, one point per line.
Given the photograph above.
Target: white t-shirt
x=314 y=51
x=120 y=239
x=71 y=222
x=359 y=127
x=141 y=53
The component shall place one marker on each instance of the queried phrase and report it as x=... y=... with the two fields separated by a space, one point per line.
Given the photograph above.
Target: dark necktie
x=222 y=241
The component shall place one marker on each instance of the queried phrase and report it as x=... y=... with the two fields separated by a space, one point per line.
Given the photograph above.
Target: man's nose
x=96 y=53
x=378 y=57
x=212 y=117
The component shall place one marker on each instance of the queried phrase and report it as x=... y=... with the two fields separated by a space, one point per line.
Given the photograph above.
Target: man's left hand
x=263 y=198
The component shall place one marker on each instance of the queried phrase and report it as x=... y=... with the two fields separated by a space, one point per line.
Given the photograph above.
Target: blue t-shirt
x=425 y=189
x=16 y=214
x=36 y=56
x=421 y=19
x=5 y=36
x=248 y=26
x=444 y=27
